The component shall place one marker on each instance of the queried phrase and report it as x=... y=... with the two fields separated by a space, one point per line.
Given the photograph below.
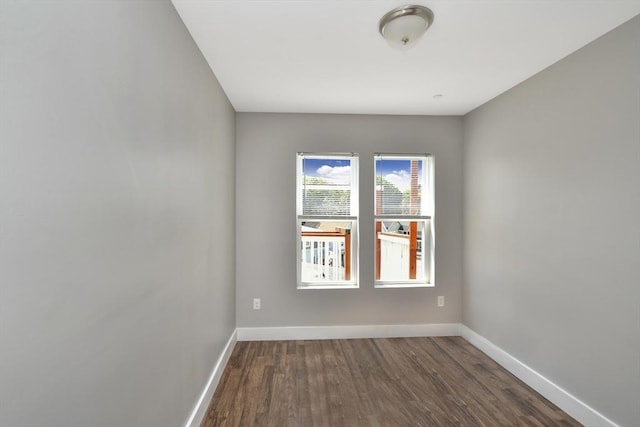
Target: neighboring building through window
x=404 y=208
x=327 y=220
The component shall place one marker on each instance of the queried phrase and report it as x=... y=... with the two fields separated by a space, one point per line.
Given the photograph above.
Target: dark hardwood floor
x=373 y=382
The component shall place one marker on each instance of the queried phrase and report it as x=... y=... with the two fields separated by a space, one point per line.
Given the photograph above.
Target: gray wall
x=266 y=231
x=552 y=231
x=116 y=215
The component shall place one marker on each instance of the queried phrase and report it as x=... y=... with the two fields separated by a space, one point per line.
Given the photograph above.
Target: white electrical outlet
x=256 y=303
x=440 y=301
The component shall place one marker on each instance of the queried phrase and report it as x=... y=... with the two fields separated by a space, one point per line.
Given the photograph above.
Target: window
x=404 y=207
x=327 y=220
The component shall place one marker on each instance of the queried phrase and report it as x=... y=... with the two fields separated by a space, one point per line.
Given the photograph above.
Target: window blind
x=326 y=185
x=401 y=183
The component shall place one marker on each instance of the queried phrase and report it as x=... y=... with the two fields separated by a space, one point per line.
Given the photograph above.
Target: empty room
x=319 y=213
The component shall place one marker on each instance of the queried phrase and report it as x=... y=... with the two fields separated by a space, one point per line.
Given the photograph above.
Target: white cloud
x=335 y=174
x=401 y=179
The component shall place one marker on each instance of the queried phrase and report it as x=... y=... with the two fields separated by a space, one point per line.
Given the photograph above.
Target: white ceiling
x=326 y=56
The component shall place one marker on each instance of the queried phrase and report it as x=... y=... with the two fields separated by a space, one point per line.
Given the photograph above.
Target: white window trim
x=428 y=206
x=353 y=283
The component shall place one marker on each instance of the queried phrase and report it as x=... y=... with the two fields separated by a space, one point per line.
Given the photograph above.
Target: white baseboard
x=344 y=332
x=200 y=409
x=559 y=397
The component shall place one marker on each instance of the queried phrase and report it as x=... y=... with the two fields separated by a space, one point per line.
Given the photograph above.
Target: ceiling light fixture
x=403 y=26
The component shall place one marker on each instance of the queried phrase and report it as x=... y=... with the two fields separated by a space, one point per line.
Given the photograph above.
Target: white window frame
x=353 y=281
x=427 y=210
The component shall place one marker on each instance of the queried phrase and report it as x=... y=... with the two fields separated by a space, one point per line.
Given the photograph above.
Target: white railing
x=323 y=258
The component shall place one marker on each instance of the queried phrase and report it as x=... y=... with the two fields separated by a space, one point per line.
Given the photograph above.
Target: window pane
x=326 y=186
x=399 y=186
x=326 y=254
x=402 y=251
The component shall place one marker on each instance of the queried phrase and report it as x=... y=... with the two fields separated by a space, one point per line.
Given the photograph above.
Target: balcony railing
x=326 y=256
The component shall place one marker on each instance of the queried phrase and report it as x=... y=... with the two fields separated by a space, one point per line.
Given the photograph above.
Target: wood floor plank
x=442 y=381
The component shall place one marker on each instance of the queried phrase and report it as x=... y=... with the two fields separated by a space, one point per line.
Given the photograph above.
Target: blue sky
x=336 y=171
x=397 y=172
x=311 y=166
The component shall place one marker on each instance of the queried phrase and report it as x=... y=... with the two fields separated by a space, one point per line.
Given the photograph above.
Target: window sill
x=403 y=285
x=312 y=286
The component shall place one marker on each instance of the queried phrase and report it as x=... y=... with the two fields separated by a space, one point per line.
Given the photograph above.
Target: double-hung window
x=327 y=220
x=404 y=208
